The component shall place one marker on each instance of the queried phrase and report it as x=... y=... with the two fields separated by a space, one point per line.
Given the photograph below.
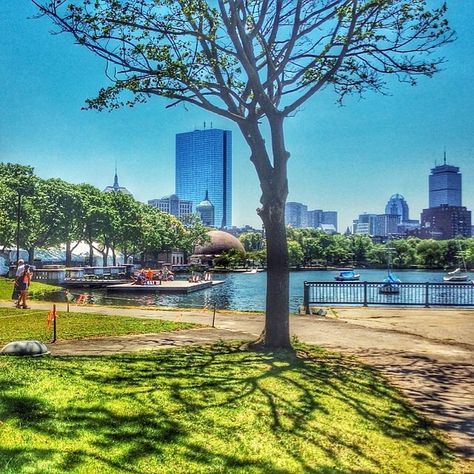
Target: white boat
x=460 y=274
x=250 y=272
x=457 y=275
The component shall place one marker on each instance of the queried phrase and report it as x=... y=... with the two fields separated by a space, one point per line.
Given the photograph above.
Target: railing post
x=365 y=294
x=306 y=297
x=427 y=299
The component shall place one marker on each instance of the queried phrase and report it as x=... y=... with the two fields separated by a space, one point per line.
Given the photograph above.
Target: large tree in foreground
x=254 y=62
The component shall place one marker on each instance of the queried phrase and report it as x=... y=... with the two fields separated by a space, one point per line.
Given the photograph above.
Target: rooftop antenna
x=211 y=124
x=204 y=125
x=444 y=155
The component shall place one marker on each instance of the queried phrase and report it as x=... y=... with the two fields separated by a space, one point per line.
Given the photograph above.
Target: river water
x=246 y=292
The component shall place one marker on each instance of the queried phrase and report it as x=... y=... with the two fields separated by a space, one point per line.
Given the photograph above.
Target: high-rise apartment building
x=329 y=218
x=296 y=214
x=445 y=186
x=315 y=218
x=172 y=205
x=204 y=164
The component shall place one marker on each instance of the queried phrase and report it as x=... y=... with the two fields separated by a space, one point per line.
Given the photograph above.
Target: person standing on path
x=22 y=283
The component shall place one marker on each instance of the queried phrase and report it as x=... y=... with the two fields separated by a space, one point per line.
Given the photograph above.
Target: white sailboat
x=460 y=274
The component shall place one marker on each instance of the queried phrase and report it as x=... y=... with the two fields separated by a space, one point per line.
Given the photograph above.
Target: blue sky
x=350 y=159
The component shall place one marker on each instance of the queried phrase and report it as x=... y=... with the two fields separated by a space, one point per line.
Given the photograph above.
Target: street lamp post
x=18 y=214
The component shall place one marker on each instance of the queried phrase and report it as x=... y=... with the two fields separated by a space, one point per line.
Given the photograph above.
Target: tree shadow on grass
x=207 y=409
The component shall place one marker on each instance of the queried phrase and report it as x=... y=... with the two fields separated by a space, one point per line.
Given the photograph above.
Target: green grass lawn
x=209 y=410
x=36 y=289
x=18 y=324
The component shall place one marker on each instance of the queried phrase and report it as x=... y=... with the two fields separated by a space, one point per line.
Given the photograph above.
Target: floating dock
x=177 y=286
x=92 y=283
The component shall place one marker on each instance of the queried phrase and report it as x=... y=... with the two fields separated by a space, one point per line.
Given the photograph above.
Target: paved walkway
x=427 y=353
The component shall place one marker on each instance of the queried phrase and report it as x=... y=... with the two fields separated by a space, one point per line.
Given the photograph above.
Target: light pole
x=18 y=214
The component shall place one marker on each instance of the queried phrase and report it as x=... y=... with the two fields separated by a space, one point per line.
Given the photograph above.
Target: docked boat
x=456 y=276
x=460 y=274
x=348 y=275
x=390 y=285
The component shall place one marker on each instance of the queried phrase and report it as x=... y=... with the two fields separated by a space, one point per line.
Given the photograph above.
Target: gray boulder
x=25 y=348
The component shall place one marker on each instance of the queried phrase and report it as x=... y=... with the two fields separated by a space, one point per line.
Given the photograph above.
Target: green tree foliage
x=295 y=253
x=8 y=200
x=430 y=253
x=55 y=213
x=252 y=241
x=194 y=233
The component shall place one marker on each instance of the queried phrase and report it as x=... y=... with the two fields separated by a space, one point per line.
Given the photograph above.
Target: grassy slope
x=212 y=410
x=6 y=288
x=17 y=324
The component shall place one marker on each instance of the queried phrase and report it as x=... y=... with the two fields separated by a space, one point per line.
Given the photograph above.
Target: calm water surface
x=247 y=291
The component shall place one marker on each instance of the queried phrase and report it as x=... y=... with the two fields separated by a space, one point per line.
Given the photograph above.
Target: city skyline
x=349 y=159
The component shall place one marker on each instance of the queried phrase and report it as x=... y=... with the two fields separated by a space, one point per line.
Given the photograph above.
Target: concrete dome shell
x=220 y=242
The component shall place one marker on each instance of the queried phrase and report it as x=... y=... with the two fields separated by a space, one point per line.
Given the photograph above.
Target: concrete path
x=427 y=353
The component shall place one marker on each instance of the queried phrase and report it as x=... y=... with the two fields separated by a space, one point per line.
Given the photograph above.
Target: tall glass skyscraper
x=204 y=164
x=445 y=185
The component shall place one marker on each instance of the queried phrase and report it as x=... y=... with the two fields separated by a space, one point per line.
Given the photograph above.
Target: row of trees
x=310 y=246
x=54 y=213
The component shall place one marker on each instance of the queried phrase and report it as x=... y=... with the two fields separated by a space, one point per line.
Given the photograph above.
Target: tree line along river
x=246 y=292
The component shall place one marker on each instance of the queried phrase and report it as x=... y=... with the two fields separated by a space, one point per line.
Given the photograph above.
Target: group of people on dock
x=152 y=277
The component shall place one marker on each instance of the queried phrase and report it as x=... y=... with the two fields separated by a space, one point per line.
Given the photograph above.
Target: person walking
x=22 y=283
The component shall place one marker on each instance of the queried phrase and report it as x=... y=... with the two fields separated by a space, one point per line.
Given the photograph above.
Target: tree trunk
x=114 y=257
x=274 y=185
x=91 y=254
x=105 y=256
x=277 y=330
x=68 y=254
x=31 y=255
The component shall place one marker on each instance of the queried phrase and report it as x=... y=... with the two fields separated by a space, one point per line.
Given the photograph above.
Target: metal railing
x=377 y=293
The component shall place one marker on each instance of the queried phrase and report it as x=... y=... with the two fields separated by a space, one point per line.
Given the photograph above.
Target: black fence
x=377 y=293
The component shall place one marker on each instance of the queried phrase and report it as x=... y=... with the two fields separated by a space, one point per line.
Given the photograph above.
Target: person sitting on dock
x=149 y=275
x=140 y=278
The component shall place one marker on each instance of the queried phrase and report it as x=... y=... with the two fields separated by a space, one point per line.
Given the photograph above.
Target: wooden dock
x=92 y=283
x=177 y=286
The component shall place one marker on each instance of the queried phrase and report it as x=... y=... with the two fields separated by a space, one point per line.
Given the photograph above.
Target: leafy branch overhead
x=252 y=58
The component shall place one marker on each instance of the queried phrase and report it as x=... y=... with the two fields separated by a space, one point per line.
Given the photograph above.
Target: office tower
x=172 y=205
x=446 y=222
x=205 y=210
x=366 y=224
x=204 y=164
x=398 y=206
x=445 y=185
x=386 y=225
x=315 y=218
x=296 y=214
x=329 y=218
